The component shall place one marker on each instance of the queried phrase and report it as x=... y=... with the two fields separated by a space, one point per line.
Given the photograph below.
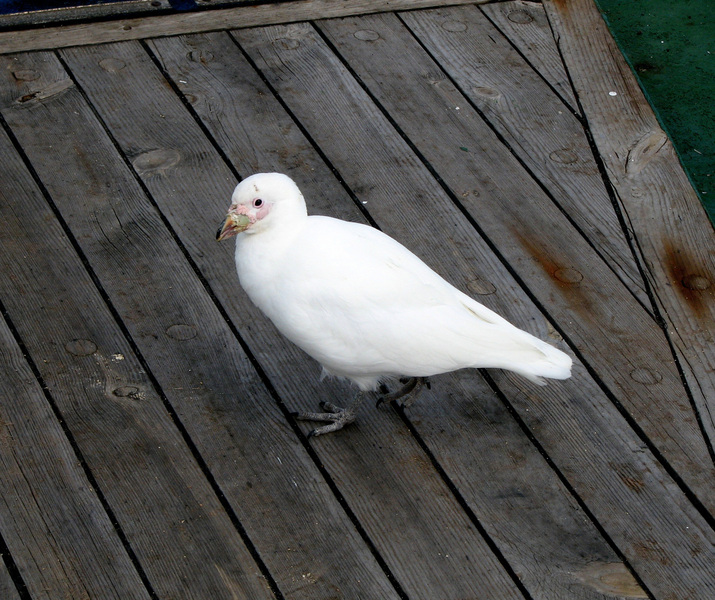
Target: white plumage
x=360 y=303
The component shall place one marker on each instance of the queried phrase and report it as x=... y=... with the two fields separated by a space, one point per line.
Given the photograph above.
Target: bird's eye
x=257 y=203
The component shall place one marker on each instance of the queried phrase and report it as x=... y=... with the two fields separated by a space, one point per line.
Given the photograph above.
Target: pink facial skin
x=259 y=214
x=263 y=211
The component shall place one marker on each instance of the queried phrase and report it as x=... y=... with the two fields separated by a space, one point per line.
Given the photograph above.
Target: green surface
x=670 y=45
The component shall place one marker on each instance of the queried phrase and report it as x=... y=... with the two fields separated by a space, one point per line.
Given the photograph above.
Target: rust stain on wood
x=689 y=277
x=567 y=278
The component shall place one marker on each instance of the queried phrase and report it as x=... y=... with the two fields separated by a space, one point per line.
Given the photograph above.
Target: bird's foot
x=335 y=416
x=408 y=392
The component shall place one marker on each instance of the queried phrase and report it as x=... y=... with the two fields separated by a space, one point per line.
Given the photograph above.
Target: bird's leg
x=408 y=392
x=335 y=416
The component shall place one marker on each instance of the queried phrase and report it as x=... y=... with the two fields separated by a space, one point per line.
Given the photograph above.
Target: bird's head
x=259 y=202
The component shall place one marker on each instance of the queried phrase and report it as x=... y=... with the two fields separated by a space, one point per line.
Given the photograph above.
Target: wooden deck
x=146 y=444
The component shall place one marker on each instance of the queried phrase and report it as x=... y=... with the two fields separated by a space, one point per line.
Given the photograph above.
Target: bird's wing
x=361 y=303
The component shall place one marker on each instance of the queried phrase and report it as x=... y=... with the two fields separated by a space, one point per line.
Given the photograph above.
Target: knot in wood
x=367 y=35
x=454 y=26
x=112 y=65
x=79 y=347
x=565 y=156
x=488 y=93
x=695 y=282
x=200 y=56
x=127 y=391
x=646 y=376
x=156 y=161
x=568 y=275
x=287 y=43
x=26 y=75
x=481 y=287
x=182 y=332
x=521 y=17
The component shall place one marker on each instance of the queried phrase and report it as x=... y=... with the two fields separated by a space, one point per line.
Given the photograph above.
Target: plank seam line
x=450 y=484
x=656 y=316
x=14 y=571
x=559 y=473
x=660 y=458
x=637 y=250
x=10 y=564
x=363 y=210
x=553 y=89
x=194 y=22
x=245 y=346
x=528 y=169
x=203 y=466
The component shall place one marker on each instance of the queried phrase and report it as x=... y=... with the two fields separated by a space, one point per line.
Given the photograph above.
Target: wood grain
x=525 y=24
x=218 y=397
x=560 y=269
x=211 y=84
x=60 y=537
x=672 y=231
x=156 y=489
x=546 y=137
x=388 y=482
x=68 y=35
x=7 y=587
x=402 y=197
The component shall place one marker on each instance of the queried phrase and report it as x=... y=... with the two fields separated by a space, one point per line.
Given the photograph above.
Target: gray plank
x=66 y=35
x=533 y=121
x=549 y=570
x=618 y=339
x=7 y=587
x=596 y=450
x=565 y=567
x=526 y=232
x=402 y=504
x=672 y=230
x=265 y=473
x=53 y=523
x=157 y=491
x=525 y=24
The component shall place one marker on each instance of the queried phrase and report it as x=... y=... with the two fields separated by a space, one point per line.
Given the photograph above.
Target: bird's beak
x=233 y=225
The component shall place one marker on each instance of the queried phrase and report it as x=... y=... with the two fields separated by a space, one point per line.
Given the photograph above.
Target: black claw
x=293 y=414
x=321 y=404
x=312 y=433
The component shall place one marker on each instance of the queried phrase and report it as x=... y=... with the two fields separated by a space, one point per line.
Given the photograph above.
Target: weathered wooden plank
x=7 y=587
x=256 y=136
x=546 y=137
x=672 y=231
x=525 y=24
x=519 y=228
x=65 y=36
x=617 y=337
x=515 y=491
x=402 y=504
x=157 y=491
x=254 y=457
x=584 y=434
x=54 y=524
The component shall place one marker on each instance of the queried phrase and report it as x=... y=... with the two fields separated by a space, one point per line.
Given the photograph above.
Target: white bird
x=361 y=304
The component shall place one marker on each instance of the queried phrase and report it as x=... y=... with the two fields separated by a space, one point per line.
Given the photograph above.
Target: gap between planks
x=138 y=28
